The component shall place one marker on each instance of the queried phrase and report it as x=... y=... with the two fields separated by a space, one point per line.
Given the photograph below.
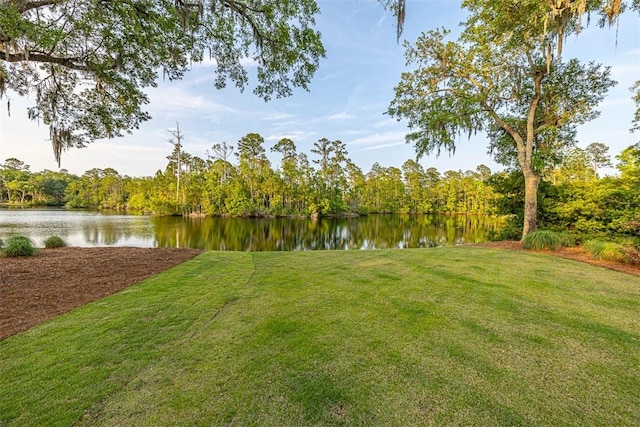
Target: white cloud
x=174 y=99
x=380 y=146
x=125 y=156
x=339 y=116
x=330 y=76
x=353 y=132
x=628 y=72
x=380 y=21
x=632 y=52
x=212 y=63
x=276 y=116
x=387 y=121
x=294 y=136
x=616 y=102
x=248 y=62
x=387 y=138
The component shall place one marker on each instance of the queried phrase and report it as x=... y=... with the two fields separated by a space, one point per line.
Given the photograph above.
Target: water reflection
x=77 y=228
x=372 y=232
x=242 y=234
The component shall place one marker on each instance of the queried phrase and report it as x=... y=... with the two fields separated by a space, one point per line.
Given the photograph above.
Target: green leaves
x=441 y=97
x=485 y=81
x=88 y=63
x=502 y=76
x=636 y=97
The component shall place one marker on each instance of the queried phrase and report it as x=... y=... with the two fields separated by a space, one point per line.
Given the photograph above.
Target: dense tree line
x=241 y=181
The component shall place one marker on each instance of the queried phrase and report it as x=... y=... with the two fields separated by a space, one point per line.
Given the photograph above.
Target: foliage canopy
x=501 y=77
x=88 y=62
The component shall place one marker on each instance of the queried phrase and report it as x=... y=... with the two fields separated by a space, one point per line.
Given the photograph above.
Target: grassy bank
x=466 y=336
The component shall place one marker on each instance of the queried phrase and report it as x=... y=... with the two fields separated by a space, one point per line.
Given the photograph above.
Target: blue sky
x=347 y=100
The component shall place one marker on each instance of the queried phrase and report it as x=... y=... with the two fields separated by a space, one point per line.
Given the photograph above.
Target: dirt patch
x=54 y=281
x=38 y=288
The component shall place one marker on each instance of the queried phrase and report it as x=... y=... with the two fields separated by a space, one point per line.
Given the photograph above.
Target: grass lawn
x=447 y=336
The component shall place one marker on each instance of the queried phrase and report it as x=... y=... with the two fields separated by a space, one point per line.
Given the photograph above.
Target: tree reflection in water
x=284 y=234
x=86 y=228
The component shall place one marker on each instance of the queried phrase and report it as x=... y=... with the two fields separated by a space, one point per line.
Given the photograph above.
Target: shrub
x=1 y=244
x=542 y=239
x=53 y=242
x=512 y=230
x=18 y=246
x=567 y=240
x=589 y=226
x=608 y=251
x=626 y=225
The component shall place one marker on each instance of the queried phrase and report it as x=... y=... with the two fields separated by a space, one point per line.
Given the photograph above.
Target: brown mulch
x=54 y=281
x=38 y=288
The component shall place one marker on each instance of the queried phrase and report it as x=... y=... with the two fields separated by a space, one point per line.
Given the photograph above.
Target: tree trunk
x=531 y=181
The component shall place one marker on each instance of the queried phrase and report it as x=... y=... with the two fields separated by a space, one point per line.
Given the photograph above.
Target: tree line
x=241 y=181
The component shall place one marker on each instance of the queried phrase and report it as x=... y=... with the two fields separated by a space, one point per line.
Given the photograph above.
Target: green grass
x=547 y=240
x=54 y=242
x=542 y=239
x=17 y=246
x=447 y=336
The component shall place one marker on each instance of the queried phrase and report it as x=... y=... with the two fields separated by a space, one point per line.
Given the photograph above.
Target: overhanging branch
x=71 y=63
x=25 y=6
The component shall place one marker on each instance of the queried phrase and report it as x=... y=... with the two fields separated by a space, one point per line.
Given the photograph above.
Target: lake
x=91 y=228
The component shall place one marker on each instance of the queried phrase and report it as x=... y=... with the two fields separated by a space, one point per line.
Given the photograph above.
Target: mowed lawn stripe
x=468 y=336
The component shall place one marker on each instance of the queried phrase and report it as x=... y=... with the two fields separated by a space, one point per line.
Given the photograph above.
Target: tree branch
x=25 y=6
x=531 y=115
x=241 y=9
x=44 y=58
x=520 y=144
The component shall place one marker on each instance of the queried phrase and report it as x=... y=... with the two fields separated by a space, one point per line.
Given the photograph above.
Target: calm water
x=87 y=228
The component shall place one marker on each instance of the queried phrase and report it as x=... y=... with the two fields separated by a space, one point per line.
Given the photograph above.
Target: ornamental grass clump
x=53 y=242
x=543 y=240
x=18 y=246
x=608 y=251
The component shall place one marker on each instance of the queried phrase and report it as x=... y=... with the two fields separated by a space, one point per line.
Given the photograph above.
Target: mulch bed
x=36 y=289
x=54 y=281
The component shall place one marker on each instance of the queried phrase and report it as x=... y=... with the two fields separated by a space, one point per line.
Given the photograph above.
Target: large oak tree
x=560 y=18
x=87 y=62
x=503 y=76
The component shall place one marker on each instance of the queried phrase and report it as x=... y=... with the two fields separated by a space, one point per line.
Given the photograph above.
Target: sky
x=347 y=100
